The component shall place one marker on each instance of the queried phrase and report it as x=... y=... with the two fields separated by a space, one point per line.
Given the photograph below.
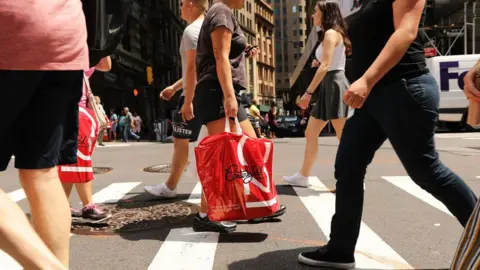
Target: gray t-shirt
x=189 y=42
x=217 y=16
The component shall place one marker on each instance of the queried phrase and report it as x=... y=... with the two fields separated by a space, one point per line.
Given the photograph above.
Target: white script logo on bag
x=252 y=174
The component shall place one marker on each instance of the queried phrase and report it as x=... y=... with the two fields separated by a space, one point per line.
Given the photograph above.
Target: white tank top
x=338 y=59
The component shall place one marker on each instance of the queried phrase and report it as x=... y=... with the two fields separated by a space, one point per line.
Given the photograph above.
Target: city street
x=403 y=227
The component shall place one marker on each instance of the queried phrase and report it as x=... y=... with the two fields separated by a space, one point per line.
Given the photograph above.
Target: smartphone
x=247 y=51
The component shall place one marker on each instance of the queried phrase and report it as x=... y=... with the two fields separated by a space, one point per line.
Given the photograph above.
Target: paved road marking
x=369 y=245
x=114 y=192
x=17 y=195
x=195 y=195
x=458 y=135
x=185 y=249
x=406 y=183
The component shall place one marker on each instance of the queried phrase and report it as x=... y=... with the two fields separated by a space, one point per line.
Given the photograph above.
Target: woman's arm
x=105 y=64
x=190 y=76
x=221 y=39
x=406 y=19
x=331 y=40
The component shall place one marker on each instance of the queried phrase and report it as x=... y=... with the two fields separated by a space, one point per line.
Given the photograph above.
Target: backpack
x=105 y=21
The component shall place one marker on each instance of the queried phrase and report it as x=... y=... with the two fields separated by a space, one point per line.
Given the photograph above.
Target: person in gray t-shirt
x=185 y=128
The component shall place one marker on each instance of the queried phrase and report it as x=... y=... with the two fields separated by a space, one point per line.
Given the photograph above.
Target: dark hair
x=332 y=19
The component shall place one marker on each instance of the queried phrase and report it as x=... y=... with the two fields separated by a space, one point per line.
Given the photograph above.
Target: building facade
x=246 y=19
x=264 y=21
x=152 y=37
x=291 y=21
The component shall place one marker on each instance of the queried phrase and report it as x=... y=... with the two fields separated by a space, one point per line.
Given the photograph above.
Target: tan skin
x=315 y=126
x=84 y=190
x=470 y=91
x=190 y=13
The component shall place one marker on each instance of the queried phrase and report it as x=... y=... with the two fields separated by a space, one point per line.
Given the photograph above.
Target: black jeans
x=406 y=112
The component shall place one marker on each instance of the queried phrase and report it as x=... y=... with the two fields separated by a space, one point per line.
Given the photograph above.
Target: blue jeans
x=127 y=131
x=406 y=112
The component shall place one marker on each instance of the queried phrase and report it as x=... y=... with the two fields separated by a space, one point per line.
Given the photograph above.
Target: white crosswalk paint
x=369 y=246
x=114 y=192
x=17 y=195
x=195 y=195
x=406 y=184
x=185 y=249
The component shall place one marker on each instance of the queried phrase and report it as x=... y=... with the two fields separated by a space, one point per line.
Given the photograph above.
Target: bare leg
x=19 y=240
x=51 y=215
x=84 y=191
x=67 y=187
x=338 y=125
x=314 y=127
x=179 y=162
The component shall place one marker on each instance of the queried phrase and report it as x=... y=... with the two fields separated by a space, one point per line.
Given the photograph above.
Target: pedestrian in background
x=81 y=173
x=330 y=75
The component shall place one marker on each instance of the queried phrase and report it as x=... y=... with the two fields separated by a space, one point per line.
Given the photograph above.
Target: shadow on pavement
x=283 y=259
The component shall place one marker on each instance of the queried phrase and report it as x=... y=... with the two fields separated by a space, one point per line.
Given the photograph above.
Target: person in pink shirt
x=81 y=173
x=43 y=53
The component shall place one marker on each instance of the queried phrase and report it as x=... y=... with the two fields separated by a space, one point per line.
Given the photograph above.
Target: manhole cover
x=100 y=170
x=162 y=168
x=136 y=216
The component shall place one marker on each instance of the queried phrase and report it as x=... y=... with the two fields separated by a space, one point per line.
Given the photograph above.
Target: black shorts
x=40 y=125
x=209 y=103
x=185 y=130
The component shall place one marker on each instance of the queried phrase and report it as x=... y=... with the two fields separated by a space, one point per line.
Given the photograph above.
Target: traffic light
x=135 y=92
x=149 y=75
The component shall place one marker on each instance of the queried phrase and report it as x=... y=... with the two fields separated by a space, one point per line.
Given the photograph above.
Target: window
x=300 y=44
x=300 y=20
x=300 y=32
x=294 y=33
x=299 y=8
x=294 y=9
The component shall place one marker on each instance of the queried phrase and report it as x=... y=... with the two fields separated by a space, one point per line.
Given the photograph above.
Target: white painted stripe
x=17 y=195
x=369 y=245
x=195 y=195
x=75 y=169
x=406 y=184
x=261 y=203
x=114 y=192
x=185 y=249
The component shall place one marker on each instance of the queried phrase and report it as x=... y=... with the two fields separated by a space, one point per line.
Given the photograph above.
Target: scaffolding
x=449 y=32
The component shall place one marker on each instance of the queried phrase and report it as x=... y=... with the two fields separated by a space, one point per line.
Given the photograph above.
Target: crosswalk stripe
x=185 y=249
x=17 y=195
x=369 y=246
x=406 y=184
x=114 y=192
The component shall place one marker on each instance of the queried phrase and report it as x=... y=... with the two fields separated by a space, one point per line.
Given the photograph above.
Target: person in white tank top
x=331 y=54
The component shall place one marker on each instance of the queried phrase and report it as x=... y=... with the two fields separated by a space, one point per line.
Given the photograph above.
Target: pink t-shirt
x=83 y=101
x=43 y=35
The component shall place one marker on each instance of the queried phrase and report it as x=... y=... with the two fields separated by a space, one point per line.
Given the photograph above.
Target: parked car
x=290 y=126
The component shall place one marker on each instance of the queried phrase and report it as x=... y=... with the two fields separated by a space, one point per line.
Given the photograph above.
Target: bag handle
x=237 y=126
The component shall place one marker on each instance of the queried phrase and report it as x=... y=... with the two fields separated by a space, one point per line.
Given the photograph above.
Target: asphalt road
x=403 y=227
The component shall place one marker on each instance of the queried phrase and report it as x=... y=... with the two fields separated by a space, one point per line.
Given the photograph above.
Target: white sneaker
x=297 y=180
x=161 y=191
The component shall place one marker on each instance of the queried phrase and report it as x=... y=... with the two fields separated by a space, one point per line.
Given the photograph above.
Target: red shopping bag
x=236 y=175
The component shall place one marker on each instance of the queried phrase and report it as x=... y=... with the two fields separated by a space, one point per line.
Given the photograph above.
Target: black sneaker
x=277 y=214
x=322 y=258
x=206 y=225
